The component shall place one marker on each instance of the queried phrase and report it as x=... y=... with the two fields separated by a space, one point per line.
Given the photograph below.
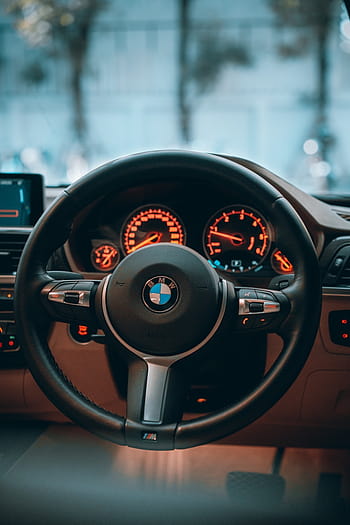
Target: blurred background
x=85 y=81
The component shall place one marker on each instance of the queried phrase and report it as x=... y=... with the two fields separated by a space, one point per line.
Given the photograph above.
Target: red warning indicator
x=83 y=330
x=81 y=333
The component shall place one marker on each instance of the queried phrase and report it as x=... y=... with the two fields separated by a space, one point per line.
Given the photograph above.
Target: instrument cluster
x=237 y=240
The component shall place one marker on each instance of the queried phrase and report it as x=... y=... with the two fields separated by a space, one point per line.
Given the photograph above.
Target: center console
x=21 y=204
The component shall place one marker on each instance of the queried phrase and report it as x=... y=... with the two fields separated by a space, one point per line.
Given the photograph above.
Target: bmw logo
x=160 y=294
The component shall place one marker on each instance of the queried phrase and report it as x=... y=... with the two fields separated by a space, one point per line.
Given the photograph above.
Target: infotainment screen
x=21 y=199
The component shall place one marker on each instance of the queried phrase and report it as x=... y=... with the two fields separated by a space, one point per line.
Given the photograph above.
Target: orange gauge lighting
x=280 y=263
x=105 y=257
x=151 y=225
x=236 y=239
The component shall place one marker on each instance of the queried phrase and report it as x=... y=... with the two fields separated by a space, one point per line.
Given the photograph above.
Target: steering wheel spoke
x=156 y=390
x=261 y=309
x=70 y=300
x=297 y=306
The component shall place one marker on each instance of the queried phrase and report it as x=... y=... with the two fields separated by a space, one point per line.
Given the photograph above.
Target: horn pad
x=163 y=299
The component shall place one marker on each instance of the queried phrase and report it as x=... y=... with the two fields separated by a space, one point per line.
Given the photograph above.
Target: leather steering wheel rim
x=299 y=328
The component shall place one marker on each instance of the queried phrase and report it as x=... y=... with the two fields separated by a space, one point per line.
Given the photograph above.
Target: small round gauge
x=236 y=239
x=280 y=263
x=105 y=257
x=150 y=225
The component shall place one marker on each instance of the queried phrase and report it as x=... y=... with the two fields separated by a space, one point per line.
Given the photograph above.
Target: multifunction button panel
x=259 y=308
x=8 y=339
x=339 y=327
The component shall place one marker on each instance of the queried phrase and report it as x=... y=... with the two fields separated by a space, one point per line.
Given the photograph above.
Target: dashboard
x=235 y=237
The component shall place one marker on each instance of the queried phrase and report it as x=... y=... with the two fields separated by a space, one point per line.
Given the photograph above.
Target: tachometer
x=236 y=239
x=150 y=225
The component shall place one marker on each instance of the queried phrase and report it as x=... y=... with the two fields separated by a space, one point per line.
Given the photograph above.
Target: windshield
x=85 y=81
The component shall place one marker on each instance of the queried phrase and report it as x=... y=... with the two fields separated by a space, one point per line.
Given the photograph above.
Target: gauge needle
x=285 y=263
x=155 y=237
x=237 y=238
x=107 y=257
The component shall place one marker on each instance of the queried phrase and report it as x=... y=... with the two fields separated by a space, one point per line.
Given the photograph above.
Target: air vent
x=338 y=273
x=11 y=247
x=344 y=274
x=343 y=214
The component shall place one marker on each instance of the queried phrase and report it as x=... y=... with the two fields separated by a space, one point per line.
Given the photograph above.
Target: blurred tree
x=33 y=73
x=203 y=55
x=214 y=53
x=60 y=27
x=184 y=76
x=314 y=22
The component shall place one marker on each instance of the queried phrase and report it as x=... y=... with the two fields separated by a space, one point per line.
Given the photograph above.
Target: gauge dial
x=151 y=225
x=280 y=263
x=105 y=257
x=236 y=239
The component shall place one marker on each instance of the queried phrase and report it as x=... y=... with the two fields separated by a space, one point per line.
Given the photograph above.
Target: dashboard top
x=243 y=247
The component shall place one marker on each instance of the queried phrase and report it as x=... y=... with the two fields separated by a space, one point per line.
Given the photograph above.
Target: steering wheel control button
x=256 y=307
x=71 y=297
x=265 y=296
x=247 y=322
x=160 y=294
x=262 y=321
x=247 y=293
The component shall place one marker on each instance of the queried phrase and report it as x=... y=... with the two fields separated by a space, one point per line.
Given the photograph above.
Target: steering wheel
x=161 y=340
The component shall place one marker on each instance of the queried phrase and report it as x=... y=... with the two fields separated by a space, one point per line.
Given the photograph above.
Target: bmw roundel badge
x=160 y=294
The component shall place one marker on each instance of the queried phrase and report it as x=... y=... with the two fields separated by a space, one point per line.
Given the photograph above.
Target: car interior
x=174 y=342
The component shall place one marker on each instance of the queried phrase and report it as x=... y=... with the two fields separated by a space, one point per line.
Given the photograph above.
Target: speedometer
x=150 y=225
x=236 y=239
